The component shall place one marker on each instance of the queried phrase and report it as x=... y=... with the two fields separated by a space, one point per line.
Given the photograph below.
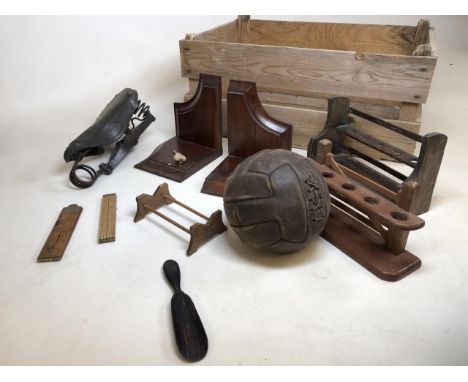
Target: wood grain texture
x=396 y=239
x=427 y=170
x=410 y=112
x=250 y=130
x=319 y=101
x=198 y=130
x=340 y=126
x=368 y=202
x=308 y=122
x=189 y=332
x=433 y=42
x=366 y=247
x=386 y=39
x=199 y=233
x=421 y=36
x=60 y=235
x=224 y=32
x=302 y=71
x=243 y=28
x=107 y=218
x=392 y=151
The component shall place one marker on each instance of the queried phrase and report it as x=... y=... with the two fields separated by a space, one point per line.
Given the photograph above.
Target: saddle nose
x=71 y=152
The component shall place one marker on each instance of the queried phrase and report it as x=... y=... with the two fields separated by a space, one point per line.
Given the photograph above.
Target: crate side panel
x=384 y=39
x=306 y=71
x=224 y=33
x=381 y=109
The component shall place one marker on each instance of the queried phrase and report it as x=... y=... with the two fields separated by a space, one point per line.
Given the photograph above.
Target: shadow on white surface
x=268 y=259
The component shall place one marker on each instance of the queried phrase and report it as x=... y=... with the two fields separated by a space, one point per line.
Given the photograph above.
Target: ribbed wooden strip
x=107 y=218
x=60 y=235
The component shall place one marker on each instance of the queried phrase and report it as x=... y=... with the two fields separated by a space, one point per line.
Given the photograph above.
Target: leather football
x=276 y=201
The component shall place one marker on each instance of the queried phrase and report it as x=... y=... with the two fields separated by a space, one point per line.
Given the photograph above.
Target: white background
x=109 y=303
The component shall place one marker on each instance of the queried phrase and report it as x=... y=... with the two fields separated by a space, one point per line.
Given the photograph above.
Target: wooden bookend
x=198 y=135
x=199 y=233
x=367 y=227
x=343 y=135
x=250 y=130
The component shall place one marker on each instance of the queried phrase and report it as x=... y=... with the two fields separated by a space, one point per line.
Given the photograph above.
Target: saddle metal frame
x=339 y=128
x=114 y=126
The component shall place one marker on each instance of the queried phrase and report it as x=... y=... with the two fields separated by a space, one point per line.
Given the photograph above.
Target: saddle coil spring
x=140 y=113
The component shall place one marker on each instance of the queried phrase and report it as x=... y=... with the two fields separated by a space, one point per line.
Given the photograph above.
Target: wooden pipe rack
x=369 y=228
x=199 y=233
x=340 y=131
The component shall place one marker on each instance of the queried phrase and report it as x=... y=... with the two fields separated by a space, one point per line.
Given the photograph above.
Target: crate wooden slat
x=297 y=70
x=382 y=108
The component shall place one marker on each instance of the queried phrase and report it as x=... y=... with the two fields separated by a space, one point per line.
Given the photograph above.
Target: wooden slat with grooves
x=107 y=218
x=386 y=148
x=60 y=235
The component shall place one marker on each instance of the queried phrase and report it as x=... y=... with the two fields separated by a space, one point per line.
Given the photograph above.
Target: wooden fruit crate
x=385 y=70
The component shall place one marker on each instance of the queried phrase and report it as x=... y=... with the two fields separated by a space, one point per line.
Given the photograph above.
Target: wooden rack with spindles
x=199 y=233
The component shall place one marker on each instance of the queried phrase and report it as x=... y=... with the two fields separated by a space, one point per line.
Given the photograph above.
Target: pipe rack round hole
x=399 y=215
x=371 y=200
x=327 y=174
x=348 y=186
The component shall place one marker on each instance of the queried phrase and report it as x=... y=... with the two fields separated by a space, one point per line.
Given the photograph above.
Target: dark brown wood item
x=367 y=227
x=190 y=334
x=340 y=131
x=199 y=233
x=60 y=235
x=250 y=130
x=107 y=218
x=198 y=134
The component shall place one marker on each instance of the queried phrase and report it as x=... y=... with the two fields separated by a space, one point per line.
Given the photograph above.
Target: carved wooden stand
x=369 y=228
x=199 y=233
x=341 y=132
x=198 y=129
x=377 y=244
x=250 y=129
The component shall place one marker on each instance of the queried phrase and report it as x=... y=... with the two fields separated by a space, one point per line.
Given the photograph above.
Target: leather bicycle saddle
x=111 y=127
